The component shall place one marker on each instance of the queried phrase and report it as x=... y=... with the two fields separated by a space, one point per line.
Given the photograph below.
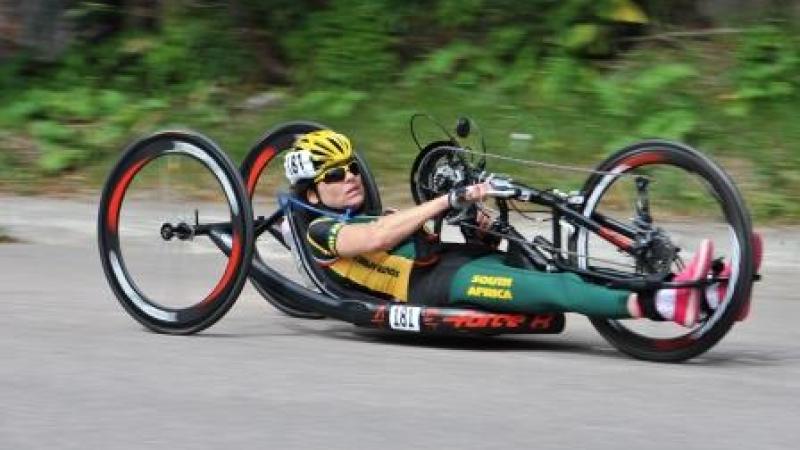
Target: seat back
x=298 y=218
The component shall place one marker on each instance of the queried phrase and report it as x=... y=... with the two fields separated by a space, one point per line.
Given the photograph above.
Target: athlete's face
x=344 y=194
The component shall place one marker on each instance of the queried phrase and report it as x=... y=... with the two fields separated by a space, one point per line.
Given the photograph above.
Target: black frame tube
x=219 y=233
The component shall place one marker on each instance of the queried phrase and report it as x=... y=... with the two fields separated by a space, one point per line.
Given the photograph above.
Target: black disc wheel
x=678 y=197
x=175 y=232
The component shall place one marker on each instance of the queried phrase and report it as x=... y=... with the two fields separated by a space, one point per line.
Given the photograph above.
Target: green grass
x=575 y=116
x=761 y=152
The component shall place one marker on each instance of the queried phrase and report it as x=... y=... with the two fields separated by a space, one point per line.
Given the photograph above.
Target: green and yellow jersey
x=387 y=273
x=420 y=271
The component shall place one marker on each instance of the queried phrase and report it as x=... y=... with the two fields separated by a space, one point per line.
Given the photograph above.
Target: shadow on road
x=542 y=344
x=507 y=343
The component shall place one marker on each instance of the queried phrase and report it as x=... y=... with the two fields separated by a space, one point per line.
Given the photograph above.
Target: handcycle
x=591 y=233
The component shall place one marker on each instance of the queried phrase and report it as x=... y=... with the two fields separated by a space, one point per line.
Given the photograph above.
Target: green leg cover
x=489 y=283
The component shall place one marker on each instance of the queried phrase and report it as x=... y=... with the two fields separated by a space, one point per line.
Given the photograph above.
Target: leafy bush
x=767 y=67
x=554 y=69
x=345 y=45
x=190 y=49
x=90 y=102
x=651 y=100
x=331 y=104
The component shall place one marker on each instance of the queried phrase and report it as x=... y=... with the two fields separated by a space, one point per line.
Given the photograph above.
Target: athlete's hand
x=478 y=192
x=463 y=197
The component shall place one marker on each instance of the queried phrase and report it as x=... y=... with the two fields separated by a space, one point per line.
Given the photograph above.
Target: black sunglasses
x=338 y=173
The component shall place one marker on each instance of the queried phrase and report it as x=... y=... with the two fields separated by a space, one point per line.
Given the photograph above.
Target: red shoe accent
x=682 y=305
x=717 y=293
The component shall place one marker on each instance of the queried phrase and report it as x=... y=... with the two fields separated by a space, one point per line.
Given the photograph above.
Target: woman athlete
x=392 y=256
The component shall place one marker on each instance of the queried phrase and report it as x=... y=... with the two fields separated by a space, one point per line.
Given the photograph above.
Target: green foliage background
x=582 y=77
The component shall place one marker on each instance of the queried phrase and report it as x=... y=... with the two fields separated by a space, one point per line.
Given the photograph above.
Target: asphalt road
x=76 y=372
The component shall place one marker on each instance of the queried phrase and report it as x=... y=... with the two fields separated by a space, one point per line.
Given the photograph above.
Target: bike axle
x=182 y=231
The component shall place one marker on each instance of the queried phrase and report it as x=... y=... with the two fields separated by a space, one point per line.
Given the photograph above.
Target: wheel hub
x=657 y=253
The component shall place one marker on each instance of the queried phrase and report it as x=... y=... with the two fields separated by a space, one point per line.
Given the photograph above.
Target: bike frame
x=565 y=208
x=387 y=315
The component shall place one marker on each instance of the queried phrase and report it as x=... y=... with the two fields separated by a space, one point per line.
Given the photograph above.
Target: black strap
x=647 y=304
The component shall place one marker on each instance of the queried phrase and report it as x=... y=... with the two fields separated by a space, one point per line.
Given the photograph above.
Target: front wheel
x=175 y=232
x=688 y=198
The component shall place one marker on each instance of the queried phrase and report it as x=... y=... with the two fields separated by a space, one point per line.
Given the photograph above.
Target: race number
x=298 y=165
x=404 y=318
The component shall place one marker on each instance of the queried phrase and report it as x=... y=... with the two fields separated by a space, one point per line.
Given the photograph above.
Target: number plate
x=404 y=318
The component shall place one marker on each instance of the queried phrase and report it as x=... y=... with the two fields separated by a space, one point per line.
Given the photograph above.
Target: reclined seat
x=298 y=218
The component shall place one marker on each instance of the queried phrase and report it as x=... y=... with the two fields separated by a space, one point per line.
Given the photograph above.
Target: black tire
x=198 y=311
x=272 y=144
x=654 y=158
x=424 y=166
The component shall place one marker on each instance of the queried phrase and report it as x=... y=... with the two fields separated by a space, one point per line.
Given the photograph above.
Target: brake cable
x=535 y=163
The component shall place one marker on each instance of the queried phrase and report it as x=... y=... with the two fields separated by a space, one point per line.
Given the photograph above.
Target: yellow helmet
x=315 y=152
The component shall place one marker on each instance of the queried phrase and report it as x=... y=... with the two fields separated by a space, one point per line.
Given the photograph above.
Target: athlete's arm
x=389 y=231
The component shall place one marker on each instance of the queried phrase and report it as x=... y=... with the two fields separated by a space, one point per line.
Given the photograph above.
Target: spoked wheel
x=175 y=232
x=267 y=179
x=682 y=198
x=437 y=169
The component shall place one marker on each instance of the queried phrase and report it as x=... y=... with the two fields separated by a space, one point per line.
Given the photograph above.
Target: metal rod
x=535 y=163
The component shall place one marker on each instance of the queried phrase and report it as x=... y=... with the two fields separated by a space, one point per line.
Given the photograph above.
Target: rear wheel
x=161 y=265
x=690 y=198
x=263 y=179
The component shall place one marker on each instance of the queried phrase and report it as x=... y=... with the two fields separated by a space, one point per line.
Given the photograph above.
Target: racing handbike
x=180 y=230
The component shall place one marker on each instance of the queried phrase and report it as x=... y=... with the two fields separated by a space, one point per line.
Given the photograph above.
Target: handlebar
x=501 y=187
